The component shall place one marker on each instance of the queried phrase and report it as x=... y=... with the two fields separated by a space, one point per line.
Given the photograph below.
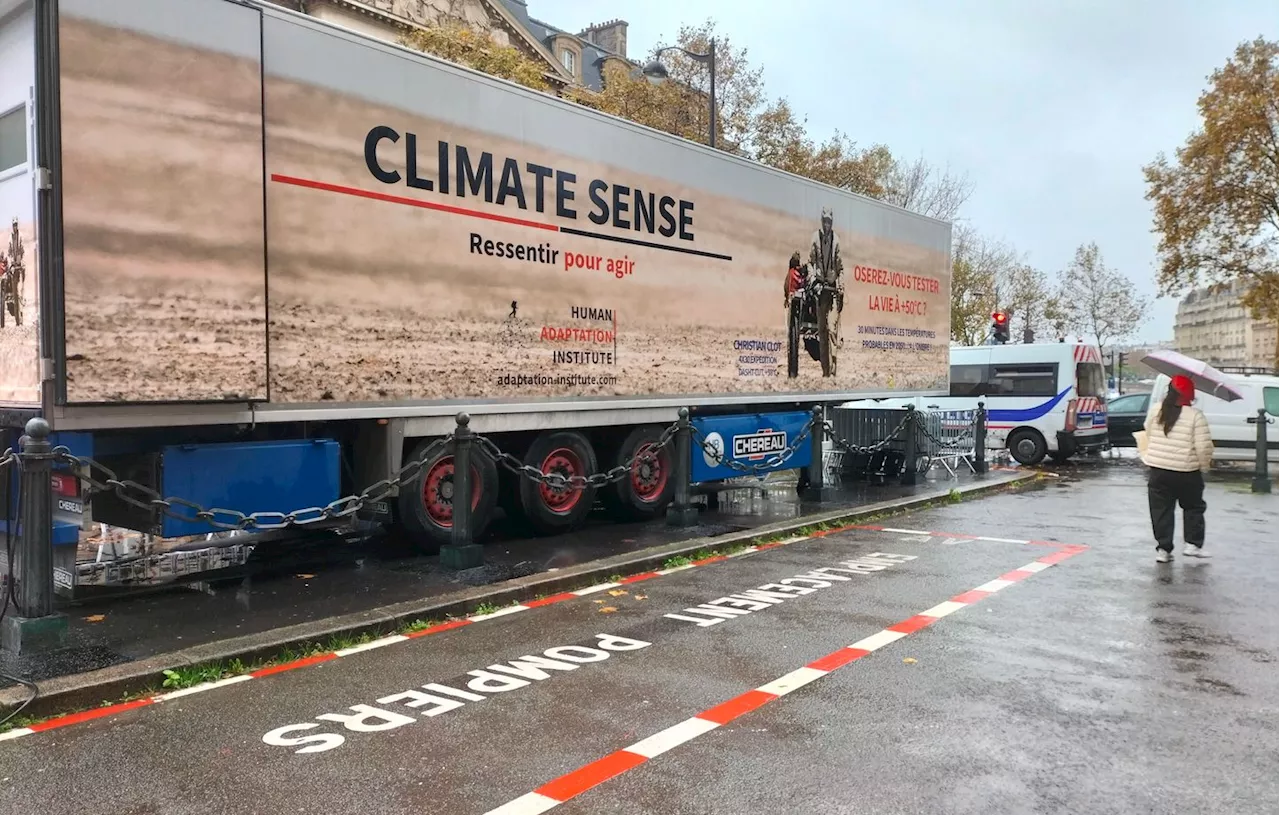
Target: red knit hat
x=1185 y=388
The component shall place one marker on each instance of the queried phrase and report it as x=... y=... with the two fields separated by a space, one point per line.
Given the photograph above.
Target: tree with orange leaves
x=1217 y=205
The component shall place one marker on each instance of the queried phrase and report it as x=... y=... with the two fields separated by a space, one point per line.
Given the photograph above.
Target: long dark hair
x=1170 y=410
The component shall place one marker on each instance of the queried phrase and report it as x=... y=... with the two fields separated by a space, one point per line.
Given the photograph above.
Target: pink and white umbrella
x=1207 y=378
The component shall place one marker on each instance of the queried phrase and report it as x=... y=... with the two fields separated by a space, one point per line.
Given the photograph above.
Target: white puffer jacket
x=1188 y=446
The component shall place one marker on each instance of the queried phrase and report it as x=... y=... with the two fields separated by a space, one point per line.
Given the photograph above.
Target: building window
x=13 y=138
x=566 y=59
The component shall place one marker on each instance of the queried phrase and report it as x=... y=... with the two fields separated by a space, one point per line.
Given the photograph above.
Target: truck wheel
x=550 y=510
x=648 y=488
x=794 y=318
x=426 y=503
x=1027 y=447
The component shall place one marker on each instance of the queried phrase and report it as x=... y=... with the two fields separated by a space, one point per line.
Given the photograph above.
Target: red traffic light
x=1000 y=317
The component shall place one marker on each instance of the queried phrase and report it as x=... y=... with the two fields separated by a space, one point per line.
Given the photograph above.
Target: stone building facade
x=1213 y=326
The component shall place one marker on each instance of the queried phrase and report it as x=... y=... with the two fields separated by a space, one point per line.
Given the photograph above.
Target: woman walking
x=1178 y=450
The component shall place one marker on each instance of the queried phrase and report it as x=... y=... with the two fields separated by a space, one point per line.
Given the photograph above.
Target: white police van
x=1042 y=399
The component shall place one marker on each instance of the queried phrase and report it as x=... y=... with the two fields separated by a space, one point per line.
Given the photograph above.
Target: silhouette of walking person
x=514 y=306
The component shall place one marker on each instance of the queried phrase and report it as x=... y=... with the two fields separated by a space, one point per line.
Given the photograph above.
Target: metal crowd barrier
x=947 y=436
x=864 y=427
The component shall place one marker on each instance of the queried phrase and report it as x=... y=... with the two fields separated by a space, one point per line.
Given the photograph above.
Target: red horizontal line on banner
x=409 y=202
x=487 y=216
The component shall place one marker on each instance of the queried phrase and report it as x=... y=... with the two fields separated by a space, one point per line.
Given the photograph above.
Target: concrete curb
x=90 y=689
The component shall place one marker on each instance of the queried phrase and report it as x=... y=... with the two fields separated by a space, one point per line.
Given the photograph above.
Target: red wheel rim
x=437 y=491
x=565 y=462
x=649 y=473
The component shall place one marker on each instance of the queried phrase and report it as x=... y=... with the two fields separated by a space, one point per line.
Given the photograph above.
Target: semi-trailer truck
x=260 y=261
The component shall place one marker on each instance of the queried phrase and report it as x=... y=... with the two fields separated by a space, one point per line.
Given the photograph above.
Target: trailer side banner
x=258 y=206
x=19 y=303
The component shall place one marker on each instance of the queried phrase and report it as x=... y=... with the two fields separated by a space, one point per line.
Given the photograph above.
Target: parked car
x=1125 y=415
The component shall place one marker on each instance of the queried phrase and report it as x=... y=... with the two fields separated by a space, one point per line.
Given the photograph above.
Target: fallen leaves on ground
x=607 y=610
x=910 y=660
x=95 y=618
x=617 y=592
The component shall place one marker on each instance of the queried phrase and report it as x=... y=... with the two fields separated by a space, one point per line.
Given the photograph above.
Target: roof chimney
x=611 y=36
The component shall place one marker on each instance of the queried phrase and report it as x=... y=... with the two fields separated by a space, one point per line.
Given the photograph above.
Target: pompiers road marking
x=394 y=711
x=111 y=710
x=573 y=784
x=480 y=684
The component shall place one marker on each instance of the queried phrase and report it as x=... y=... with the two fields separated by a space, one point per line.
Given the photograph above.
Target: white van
x=1234 y=437
x=1042 y=399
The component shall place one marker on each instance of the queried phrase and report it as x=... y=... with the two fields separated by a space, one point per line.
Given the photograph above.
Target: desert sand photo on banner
x=412 y=252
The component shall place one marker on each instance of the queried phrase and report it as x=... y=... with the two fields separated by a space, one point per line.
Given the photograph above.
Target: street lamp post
x=657 y=72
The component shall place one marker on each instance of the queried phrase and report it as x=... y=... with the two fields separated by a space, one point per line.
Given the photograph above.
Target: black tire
x=1027 y=447
x=552 y=511
x=813 y=348
x=824 y=336
x=425 y=504
x=794 y=318
x=651 y=484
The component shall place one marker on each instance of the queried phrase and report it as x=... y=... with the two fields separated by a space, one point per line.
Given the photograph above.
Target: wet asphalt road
x=1104 y=684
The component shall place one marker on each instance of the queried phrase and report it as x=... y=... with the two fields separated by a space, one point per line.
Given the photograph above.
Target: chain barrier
x=955 y=441
x=101 y=478
x=560 y=481
x=863 y=450
x=7 y=458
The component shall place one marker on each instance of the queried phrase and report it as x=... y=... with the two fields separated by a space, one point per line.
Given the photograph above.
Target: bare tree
x=921 y=187
x=1099 y=301
x=1025 y=295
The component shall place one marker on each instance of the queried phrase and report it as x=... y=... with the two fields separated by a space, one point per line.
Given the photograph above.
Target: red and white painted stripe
x=568 y=786
x=316 y=659
x=1089 y=404
x=1087 y=353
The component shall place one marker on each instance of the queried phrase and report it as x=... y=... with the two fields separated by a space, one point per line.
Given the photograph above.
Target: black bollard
x=909 y=474
x=682 y=512
x=1261 y=478
x=462 y=552
x=33 y=626
x=980 y=439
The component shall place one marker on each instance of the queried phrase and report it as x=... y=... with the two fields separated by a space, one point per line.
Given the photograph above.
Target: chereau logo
x=759 y=444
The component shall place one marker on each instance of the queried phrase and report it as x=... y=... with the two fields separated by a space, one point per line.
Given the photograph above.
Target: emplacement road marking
x=568 y=786
x=271 y=670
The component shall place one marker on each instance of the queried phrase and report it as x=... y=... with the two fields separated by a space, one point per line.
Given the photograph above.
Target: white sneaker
x=1163 y=557
x=1191 y=550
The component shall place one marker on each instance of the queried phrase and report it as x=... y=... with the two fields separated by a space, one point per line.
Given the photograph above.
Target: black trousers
x=1168 y=489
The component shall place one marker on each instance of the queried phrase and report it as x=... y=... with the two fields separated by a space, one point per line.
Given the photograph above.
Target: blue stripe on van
x=1026 y=414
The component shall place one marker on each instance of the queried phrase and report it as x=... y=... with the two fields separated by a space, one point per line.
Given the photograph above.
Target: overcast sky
x=1051 y=108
